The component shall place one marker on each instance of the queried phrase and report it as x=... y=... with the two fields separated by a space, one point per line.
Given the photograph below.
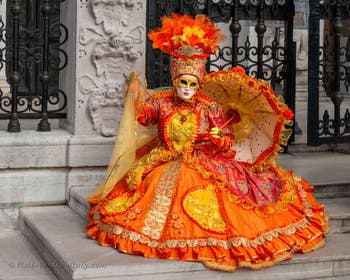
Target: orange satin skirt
x=177 y=214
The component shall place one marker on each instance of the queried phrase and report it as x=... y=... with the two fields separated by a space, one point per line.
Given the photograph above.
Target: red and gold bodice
x=185 y=125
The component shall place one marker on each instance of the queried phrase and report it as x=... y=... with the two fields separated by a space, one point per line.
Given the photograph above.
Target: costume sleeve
x=149 y=112
x=217 y=119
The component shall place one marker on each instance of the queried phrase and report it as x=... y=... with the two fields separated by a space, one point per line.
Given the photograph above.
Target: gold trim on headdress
x=195 y=67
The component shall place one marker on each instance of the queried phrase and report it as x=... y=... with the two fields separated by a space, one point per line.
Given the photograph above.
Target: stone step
x=78 y=200
x=339 y=212
x=328 y=171
x=19 y=260
x=59 y=234
x=337 y=208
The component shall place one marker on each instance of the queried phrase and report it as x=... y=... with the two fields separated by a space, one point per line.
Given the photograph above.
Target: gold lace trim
x=159 y=210
x=225 y=244
x=264 y=264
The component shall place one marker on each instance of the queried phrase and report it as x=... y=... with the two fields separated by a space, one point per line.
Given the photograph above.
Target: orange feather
x=177 y=31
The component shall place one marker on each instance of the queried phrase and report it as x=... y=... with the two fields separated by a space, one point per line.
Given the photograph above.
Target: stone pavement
x=19 y=260
x=319 y=168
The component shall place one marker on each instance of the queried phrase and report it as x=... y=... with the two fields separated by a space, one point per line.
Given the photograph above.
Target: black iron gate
x=271 y=60
x=329 y=71
x=31 y=40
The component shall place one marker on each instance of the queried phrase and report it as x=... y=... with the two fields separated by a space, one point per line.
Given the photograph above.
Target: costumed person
x=198 y=179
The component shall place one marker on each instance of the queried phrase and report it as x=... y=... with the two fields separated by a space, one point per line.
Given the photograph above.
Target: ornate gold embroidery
x=225 y=244
x=158 y=154
x=203 y=207
x=182 y=130
x=121 y=203
x=157 y=215
x=308 y=211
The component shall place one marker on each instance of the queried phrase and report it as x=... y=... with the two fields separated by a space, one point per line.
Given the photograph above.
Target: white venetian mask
x=186 y=86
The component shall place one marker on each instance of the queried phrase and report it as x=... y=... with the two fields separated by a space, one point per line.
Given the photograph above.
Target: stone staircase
x=58 y=233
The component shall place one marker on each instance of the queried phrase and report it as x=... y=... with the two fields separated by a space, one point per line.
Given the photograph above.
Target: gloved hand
x=217 y=137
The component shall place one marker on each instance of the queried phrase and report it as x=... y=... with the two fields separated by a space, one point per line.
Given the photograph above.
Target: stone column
x=107 y=43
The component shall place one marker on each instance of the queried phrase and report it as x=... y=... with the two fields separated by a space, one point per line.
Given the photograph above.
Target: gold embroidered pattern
x=308 y=211
x=157 y=215
x=121 y=203
x=203 y=207
x=158 y=154
x=225 y=244
x=182 y=130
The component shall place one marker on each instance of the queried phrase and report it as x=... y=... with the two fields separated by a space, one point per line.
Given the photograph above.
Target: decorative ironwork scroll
x=329 y=70
x=33 y=56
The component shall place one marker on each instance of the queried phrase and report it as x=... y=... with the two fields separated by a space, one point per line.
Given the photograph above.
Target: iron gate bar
x=235 y=29
x=260 y=29
x=330 y=71
x=337 y=26
x=15 y=76
x=33 y=56
x=44 y=76
x=290 y=71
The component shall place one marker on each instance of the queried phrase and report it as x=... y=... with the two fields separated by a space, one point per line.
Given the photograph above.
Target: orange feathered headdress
x=189 y=41
x=179 y=33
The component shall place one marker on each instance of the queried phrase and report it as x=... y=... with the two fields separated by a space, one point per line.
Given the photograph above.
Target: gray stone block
x=78 y=201
x=32 y=186
x=342 y=268
x=33 y=149
x=89 y=151
x=84 y=177
x=339 y=211
x=8 y=218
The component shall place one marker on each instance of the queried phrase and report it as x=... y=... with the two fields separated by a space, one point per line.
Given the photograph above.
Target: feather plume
x=179 y=31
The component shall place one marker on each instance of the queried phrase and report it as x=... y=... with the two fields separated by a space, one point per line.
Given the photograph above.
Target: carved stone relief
x=103 y=95
x=112 y=44
x=112 y=14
